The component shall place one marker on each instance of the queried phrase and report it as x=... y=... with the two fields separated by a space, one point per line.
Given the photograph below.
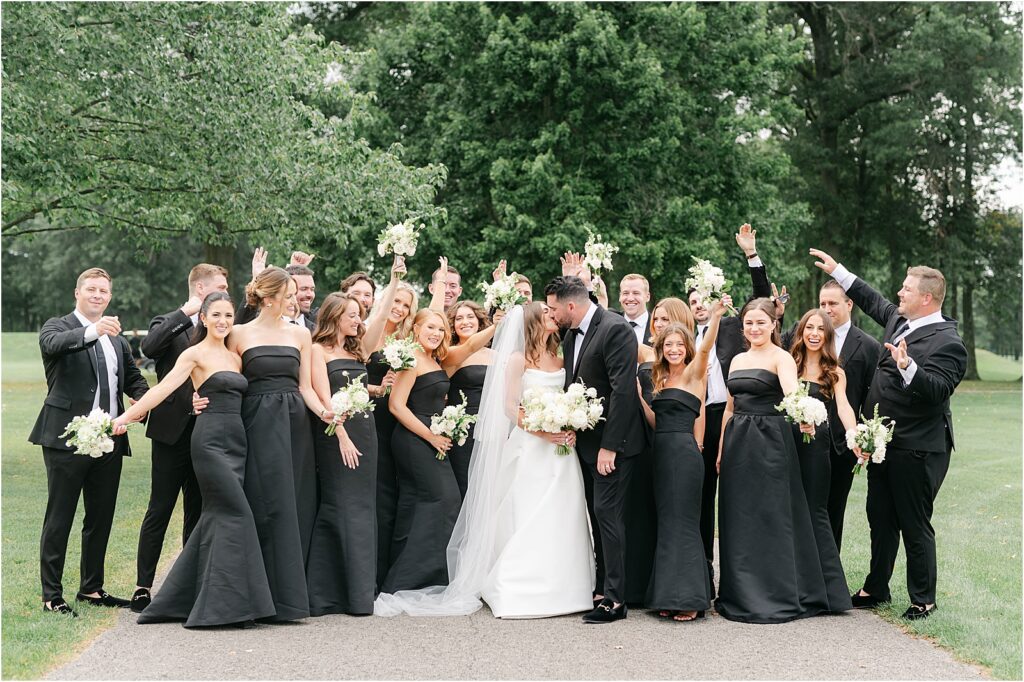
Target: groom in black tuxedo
x=912 y=385
x=88 y=365
x=600 y=349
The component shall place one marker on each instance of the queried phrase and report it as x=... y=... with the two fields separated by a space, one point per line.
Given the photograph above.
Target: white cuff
x=843 y=276
x=754 y=262
x=90 y=333
x=908 y=373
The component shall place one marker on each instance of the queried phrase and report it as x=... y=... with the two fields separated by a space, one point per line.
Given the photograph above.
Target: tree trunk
x=219 y=254
x=968 y=333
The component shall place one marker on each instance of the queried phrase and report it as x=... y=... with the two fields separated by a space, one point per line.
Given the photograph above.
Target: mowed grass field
x=977 y=521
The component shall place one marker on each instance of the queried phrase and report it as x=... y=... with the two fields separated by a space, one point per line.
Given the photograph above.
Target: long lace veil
x=471 y=550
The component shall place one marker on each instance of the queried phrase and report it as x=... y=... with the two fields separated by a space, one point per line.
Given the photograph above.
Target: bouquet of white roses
x=871 y=436
x=502 y=294
x=400 y=354
x=597 y=254
x=351 y=400
x=91 y=434
x=453 y=422
x=576 y=409
x=800 y=408
x=399 y=239
x=707 y=280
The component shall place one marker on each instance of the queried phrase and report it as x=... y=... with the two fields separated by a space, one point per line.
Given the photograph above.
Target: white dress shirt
x=717 y=390
x=103 y=344
x=842 y=331
x=641 y=325
x=584 y=327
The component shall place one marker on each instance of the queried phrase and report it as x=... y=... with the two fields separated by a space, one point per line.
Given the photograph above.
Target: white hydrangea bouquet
x=91 y=434
x=453 y=422
x=400 y=354
x=576 y=409
x=871 y=436
x=349 y=401
x=502 y=294
x=707 y=280
x=801 y=408
x=597 y=255
x=399 y=239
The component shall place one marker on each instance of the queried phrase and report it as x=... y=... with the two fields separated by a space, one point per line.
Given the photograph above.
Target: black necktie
x=902 y=329
x=700 y=332
x=101 y=365
x=633 y=324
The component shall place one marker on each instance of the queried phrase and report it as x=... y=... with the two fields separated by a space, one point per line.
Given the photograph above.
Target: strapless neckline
x=219 y=371
x=272 y=345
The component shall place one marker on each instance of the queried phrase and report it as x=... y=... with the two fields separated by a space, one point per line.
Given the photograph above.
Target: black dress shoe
x=141 y=599
x=605 y=613
x=919 y=611
x=861 y=601
x=60 y=606
x=104 y=599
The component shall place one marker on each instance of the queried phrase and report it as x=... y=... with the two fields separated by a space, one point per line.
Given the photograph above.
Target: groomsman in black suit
x=912 y=384
x=600 y=349
x=170 y=429
x=88 y=365
x=362 y=287
x=729 y=344
x=634 y=295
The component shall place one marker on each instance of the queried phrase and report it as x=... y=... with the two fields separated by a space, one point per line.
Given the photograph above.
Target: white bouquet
x=91 y=434
x=597 y=254
x=800 y=408
x=399 y=239
x=550 y=411
x=400 y=354
x=351 y=400
x=871 y=436
x=707 y=280
x=502 y=294
x=453 y=422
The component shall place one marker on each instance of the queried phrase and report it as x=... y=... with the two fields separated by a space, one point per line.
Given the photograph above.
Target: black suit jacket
x=71 y=381
x=247 y=313
x=647 y=329
x=920 y=410
x=608 y=364
x=730 y=341
x=169 y=335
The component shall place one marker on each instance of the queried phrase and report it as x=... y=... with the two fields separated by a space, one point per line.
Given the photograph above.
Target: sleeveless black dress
x=679 y=580
x=816 y=473
x=342 y=569
x=387 y=475
x=469 y=380
x=429 y=498
x=219 y=576
x=770 y=572
x=641 y=516
x=280 y=473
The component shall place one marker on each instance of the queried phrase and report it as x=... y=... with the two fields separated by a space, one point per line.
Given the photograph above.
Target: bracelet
x=753 y=255
x=323 y=411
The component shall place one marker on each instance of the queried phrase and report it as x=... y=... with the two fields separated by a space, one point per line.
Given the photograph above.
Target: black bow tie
x=574 y=331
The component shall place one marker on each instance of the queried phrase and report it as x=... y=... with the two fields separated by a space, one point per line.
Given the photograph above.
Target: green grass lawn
x=977 y=521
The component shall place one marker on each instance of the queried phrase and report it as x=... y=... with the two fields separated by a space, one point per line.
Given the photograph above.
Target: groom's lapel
x=591 y=333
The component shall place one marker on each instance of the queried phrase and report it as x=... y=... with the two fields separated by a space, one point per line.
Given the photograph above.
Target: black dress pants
x=712 y=436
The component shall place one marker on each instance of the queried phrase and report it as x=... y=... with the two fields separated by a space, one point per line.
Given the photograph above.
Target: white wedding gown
x=543 y=558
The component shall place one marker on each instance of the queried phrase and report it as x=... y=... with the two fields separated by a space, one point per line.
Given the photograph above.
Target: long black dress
x=641 y=516
x=679 y=580
x=816 y=474
x=429 y=498
x=470 y=381
x=280 y=472
x=770 y=572
x=387 y=474
x=219 y=576
x=341 y=572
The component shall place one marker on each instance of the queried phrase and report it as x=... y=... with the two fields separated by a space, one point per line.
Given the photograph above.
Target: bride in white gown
x=522 y=540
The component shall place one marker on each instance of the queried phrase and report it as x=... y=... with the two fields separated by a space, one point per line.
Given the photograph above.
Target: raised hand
x=499 y=271
x=442 y=271
x=719 y=307
x=899 y=354
x=259 y=261
x=498 y=316
x=110 y=326
x=301 y=258
x=746 y=239
x=825 y=261
x=398 y=267
x=193 y=305
x=780 y=301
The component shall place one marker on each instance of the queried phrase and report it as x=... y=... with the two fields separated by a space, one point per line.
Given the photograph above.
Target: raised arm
x=876 y=306
x=438 y=285
x=55 y=341
x=746 y=239
x=460 y=353
x=379 y=317
x=698 y=368
x=164 y=328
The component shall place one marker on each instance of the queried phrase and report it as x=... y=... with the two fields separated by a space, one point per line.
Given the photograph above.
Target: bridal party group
x=295 y=507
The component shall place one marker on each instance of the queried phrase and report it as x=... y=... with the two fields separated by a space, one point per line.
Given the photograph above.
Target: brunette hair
x=347 y=283
x=766 y=306
x=533 y=325
x=90 y=274
x=659 y=371
x=481 y=317
x=828 y=362
x=832 y=284
x=567 y=288
x=299 y=270
x=328 y=320
x=441 y=352
x=204 y=272
x=199 y=333
x=677 y=311
x=265 y=285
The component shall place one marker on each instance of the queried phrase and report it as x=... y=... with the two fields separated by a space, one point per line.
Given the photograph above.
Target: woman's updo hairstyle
x=268 y=284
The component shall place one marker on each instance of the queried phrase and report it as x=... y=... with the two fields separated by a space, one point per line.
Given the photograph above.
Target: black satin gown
x=387 y=474
x=280 y=473
x=679 y=580
x=341 y=573
x=219 y=576
x=770 y=571
x=429 y=499
x=816 y=473
x=641 y=516
x=470 y=381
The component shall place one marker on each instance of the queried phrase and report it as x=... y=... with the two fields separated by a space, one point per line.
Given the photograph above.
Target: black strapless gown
x=641 y=515
x=387 y=474
x=770 y=572
x=816 y=473
x=219 y=576
x=342 y=569
x=280 y=473
x=469 y=380
x=679 y=580
x=429 y=499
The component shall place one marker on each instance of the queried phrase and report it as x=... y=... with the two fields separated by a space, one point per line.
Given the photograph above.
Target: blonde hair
x=267 y=284
x=404 y=328
x=92 y=273
x=929 y=281
x=677 y=311
x=441 y=352
x=204 y=272
x=641 y=278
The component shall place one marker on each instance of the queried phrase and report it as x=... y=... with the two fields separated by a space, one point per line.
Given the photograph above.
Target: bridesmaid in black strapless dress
x=387 y=473
x=641 y=513
x=770 y=571
x=468 y=379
